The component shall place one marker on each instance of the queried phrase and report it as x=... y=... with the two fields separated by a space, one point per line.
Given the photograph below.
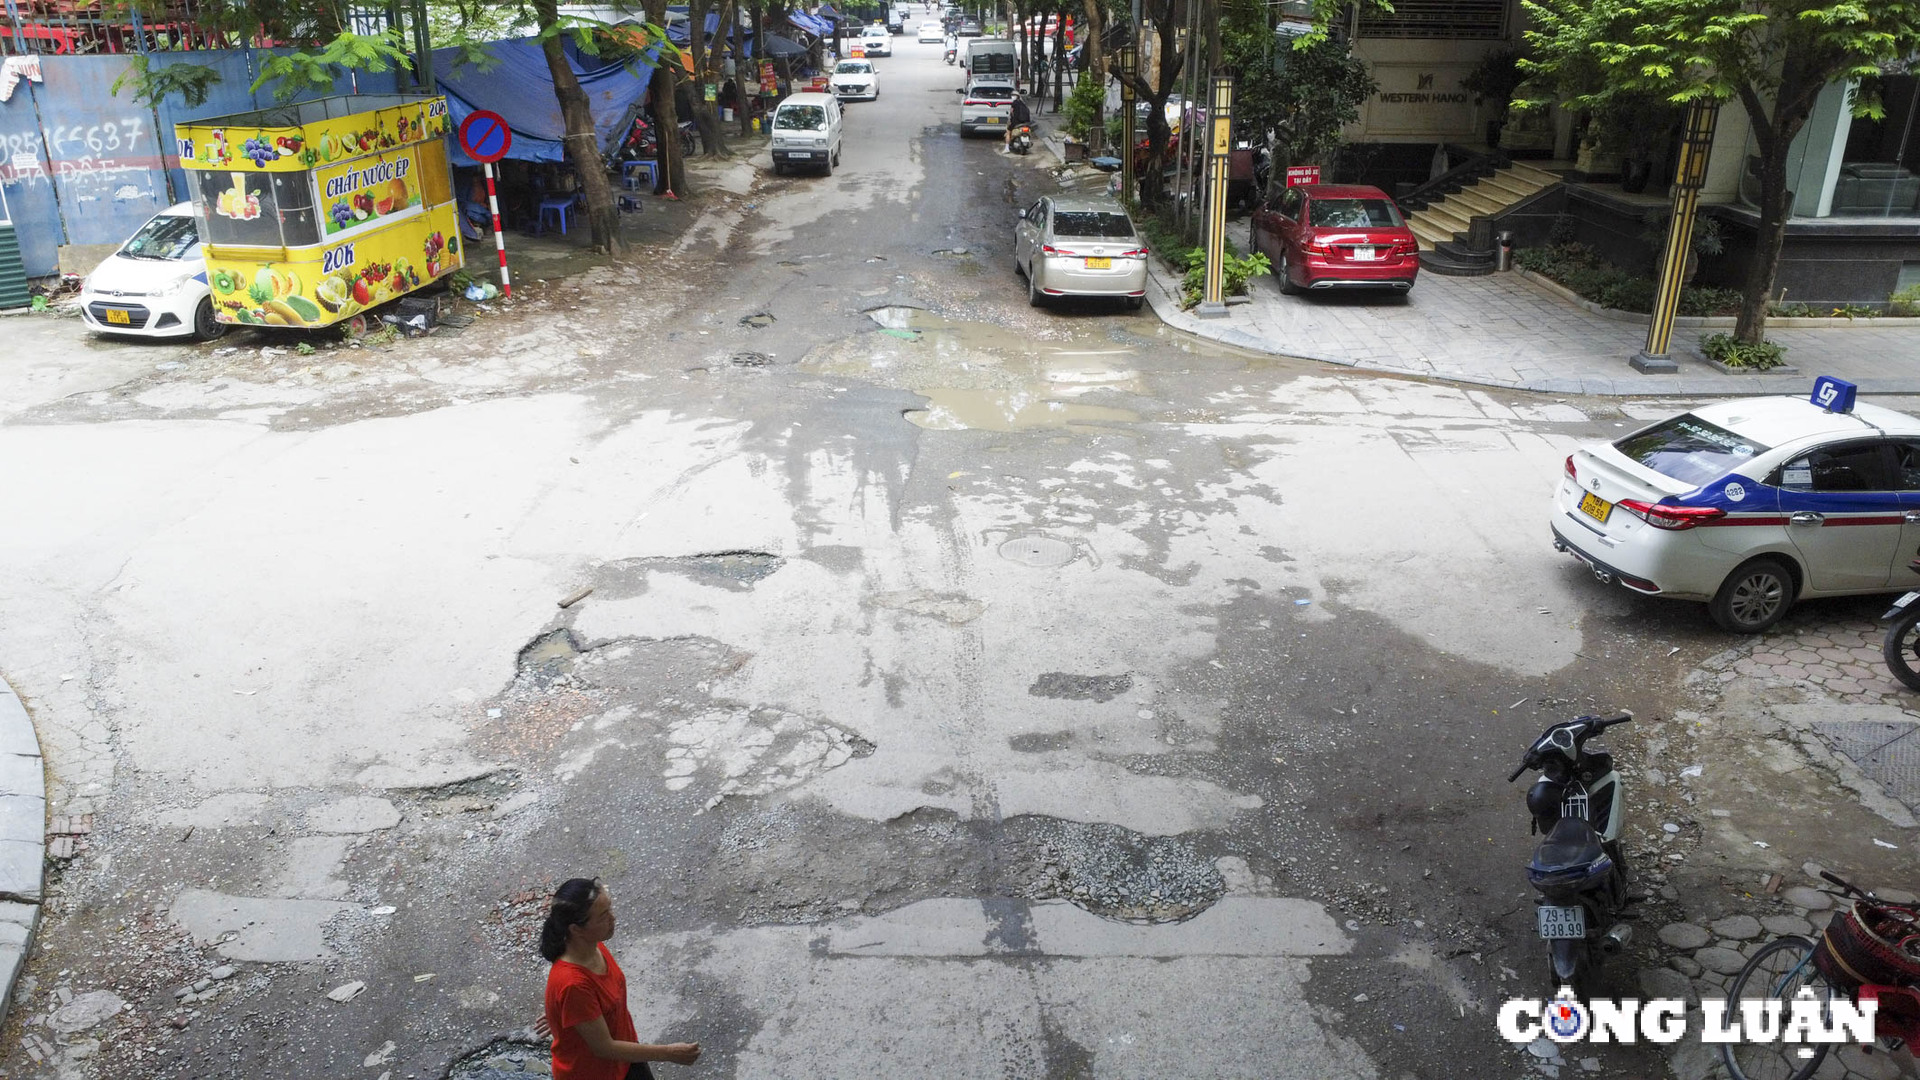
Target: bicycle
x=1787 y=965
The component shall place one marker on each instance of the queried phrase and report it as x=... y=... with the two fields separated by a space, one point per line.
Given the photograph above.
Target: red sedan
x=1337 y=236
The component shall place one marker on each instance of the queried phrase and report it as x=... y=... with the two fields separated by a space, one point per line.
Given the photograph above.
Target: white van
x=806 y=131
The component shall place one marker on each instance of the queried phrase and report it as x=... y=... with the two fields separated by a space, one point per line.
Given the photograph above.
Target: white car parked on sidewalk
x=1750 y=504
x=155 y=285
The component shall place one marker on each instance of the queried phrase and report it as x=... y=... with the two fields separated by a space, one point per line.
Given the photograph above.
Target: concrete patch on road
x=756 y=751
x=255 y=928
x=353 y=814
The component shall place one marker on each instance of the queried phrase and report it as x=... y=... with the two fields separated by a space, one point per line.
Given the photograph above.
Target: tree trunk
x=706 y=114
x=1801 y=79
x=1057 y=62
x=1091 y=40
x=582 y=143
x=743 y=67
x=666 y=112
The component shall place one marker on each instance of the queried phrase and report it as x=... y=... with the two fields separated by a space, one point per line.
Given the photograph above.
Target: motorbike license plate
x=1365 y=254
x=115 y=315
x=1596 y=508
x=1099 y=264
x=1558 y=923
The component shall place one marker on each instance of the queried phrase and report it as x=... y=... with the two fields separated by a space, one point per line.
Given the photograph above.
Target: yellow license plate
x=115 y=315
x=1595 y=507
x=1099 y=264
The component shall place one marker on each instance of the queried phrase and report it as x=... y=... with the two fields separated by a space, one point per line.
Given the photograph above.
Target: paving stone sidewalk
x=1504 y=330
x=23 y=832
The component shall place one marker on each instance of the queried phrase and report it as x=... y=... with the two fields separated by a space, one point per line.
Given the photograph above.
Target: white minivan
x=806 y=132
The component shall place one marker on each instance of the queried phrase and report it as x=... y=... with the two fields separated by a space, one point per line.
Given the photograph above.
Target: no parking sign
x=486 y=138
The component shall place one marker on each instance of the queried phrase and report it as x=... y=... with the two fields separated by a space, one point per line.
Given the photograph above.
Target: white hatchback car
x=932 y=31
x=855 y=79
x=1750 y=505
x=155 y=285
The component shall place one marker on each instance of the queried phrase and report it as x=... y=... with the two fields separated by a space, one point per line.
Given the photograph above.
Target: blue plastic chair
x=634 y=167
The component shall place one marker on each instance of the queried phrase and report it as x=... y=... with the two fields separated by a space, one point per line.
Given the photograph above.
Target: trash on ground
x=1693 y=770
x=1882 y=843
x=346 y=992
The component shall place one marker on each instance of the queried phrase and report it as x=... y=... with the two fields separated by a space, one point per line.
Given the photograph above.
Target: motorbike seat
x=1572 y=845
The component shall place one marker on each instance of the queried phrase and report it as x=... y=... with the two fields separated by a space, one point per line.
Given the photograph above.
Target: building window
x=1880 y=166
x=1453 y=19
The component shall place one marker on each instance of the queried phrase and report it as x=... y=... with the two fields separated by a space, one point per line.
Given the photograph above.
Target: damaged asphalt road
x=964 y=689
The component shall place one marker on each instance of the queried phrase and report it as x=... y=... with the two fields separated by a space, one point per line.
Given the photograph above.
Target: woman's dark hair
x=572 y=903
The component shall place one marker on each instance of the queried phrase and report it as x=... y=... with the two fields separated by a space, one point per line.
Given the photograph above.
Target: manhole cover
x=1888 y=754
x=1041 y=551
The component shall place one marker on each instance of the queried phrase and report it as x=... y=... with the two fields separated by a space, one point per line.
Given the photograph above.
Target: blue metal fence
x=82 y=165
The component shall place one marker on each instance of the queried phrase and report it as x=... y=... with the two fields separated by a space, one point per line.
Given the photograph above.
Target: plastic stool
x=628 y=204
x=560 y=206
x=633 y=167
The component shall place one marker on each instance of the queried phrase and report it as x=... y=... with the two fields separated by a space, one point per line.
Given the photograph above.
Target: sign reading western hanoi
x=1420 y=99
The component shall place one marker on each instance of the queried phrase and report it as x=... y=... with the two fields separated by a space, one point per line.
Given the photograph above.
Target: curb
x=1716 y=322
x=23 y=836
x=1162 y=296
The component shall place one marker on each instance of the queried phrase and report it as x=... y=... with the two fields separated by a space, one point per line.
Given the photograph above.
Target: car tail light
x=1136 y=253
x=1315 y=247
x=1670 y=517
x=1060 y=252
x=1571 y=474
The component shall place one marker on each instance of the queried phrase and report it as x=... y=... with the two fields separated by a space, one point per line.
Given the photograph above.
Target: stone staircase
x=1442 y=227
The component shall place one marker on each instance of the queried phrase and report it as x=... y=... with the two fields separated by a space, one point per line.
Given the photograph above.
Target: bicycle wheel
x=1777 y=971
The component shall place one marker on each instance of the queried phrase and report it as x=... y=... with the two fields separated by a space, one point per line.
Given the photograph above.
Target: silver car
x=1080 y=247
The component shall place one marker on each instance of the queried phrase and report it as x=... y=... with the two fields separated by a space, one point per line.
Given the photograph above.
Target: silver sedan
x=1080 y=247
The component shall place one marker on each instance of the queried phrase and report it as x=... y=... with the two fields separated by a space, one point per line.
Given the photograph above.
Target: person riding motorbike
x=953 y=48
x=1019 y=118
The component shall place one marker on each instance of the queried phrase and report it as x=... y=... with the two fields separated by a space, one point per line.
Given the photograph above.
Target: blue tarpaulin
x=812 y=24
x=520 y=88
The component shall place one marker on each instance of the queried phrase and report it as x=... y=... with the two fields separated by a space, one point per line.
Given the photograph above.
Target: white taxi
x=855 y=79
x=155 y=285
x=1750 y=505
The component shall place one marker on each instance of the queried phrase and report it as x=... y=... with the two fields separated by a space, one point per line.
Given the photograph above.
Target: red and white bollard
x=499 y=240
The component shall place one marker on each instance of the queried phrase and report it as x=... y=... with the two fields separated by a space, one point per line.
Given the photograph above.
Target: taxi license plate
x=1595 y=507
x=1365 y=254
x=1562 y=923
x=1099 y=264
x=115 y=315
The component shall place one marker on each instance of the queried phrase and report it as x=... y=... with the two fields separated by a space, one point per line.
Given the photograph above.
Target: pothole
x=750 y=359
x=1060 y=684
x=503 y=1059
x=1039 y=551
x=758 y=320
x=549 y=656
x=953 y=253
x=1117 y=873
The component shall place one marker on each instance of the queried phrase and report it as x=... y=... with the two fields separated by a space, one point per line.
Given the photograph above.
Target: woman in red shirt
x=586 y=1010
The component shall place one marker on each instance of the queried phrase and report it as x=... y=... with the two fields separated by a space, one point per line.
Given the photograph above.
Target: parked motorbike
x=1578 y=867
x=1022 y=139
x=1901 y=648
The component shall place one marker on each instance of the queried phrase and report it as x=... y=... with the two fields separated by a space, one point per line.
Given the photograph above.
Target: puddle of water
x=985 y=377
x=1008 y=410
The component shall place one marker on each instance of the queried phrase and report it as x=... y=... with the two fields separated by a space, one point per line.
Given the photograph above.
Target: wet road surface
x=965 y=689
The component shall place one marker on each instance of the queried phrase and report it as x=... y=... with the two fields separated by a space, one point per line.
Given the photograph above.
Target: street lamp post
x=1688 y=178
x=1127 y=63
x=1219 y=153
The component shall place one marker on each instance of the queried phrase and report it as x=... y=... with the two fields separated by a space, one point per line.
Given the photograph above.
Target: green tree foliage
x=1772 y=56
x=1317 y=90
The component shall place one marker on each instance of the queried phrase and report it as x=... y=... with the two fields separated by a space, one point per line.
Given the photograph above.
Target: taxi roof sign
x=1834 y=395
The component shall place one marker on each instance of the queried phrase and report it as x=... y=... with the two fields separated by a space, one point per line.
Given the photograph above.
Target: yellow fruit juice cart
x=312 y=213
